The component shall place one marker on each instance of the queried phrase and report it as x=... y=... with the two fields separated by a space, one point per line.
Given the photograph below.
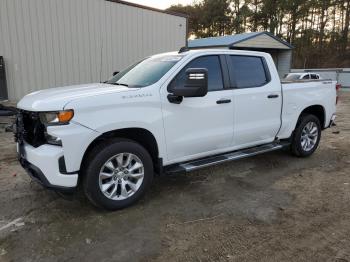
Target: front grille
x=33 y=130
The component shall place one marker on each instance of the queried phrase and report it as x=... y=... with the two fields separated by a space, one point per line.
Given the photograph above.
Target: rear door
x=257 y=100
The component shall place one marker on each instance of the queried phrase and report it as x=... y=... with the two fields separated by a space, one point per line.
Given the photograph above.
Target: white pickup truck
x=172 y=112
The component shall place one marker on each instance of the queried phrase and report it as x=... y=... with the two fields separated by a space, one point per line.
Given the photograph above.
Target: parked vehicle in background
x=169 y=113
x=301 y=76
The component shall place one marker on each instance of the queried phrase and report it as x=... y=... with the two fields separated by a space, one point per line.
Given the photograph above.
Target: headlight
x=57 y=117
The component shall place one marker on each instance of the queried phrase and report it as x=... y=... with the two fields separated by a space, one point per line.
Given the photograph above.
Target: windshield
x=146 y=72
x=292 y=77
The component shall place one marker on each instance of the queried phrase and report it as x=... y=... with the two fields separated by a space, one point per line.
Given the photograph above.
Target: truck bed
x=301 y=94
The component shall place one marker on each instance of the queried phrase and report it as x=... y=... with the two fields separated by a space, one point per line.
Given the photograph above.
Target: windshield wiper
x=121 y=84
x=117 y=84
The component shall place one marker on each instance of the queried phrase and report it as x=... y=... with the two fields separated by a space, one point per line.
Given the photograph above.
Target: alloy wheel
x=309 y=136
x=121 y=176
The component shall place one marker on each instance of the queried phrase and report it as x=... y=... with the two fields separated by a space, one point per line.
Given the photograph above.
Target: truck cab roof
x=216 y=50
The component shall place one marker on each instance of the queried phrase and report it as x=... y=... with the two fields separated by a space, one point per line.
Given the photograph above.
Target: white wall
x=284 y=62
x=262 y=41
x=49 y=43
x=344 y=78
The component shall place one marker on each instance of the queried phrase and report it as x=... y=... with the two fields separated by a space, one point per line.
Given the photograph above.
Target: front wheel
x=117 y=174
x=306 y=136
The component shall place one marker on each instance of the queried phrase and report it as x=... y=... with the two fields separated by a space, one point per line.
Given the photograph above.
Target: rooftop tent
x=280 y=50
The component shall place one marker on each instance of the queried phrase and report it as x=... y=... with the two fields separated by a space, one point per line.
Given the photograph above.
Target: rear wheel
x=117 y=174
x=306 y=136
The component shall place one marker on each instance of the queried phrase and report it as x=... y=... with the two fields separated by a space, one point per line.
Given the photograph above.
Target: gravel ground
x=272 y=207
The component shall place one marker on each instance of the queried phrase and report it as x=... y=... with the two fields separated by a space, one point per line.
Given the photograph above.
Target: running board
x=218 y=159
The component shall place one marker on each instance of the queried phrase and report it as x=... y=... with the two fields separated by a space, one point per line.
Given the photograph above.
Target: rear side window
x=249 y=71
x=212 y=64
x=313 y=76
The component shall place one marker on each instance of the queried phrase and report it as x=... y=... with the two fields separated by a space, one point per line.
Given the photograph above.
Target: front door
x=199 y=126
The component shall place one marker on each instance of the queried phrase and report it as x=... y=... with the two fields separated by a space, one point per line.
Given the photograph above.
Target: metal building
x=280 y=50
x=50 y=43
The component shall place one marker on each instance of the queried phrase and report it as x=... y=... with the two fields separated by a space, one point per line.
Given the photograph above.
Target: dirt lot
x=272 y=207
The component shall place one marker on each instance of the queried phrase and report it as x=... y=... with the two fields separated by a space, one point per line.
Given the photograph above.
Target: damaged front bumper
x=43 y=162
x=43 y=165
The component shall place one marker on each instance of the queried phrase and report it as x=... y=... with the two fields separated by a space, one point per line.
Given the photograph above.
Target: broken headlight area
x=31 y=127
x=52 y=140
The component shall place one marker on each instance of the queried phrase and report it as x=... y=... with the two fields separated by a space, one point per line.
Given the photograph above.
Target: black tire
x=98 y=156
x=296 y=144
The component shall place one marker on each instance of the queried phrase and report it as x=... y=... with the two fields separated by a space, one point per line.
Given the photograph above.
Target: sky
x=161 y=4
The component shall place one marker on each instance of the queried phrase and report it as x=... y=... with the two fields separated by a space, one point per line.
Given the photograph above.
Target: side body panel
x=192 y=127
x=137 y=109
x=148 y=108
x=257 y=118
x=299 y=96
x=198 y=124
x=75 y=140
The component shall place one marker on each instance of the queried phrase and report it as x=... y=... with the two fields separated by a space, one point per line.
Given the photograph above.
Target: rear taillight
x=337 y=88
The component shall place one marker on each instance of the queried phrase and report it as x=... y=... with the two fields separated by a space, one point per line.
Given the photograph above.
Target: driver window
x=211 y=63
x=306 y=76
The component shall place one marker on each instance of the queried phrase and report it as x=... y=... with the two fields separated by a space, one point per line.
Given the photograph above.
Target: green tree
x=193 y=13
x=318 y=29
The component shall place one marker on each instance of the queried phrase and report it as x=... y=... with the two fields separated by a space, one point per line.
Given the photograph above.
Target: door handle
x=273 y=96
x=223 y=101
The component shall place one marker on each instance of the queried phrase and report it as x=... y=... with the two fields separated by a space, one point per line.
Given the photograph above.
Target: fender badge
x=136 y=96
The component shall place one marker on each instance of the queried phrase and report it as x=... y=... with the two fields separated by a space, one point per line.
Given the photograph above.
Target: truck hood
x=56 y=98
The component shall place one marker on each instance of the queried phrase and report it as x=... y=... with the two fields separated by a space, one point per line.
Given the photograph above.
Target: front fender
x=103 y=114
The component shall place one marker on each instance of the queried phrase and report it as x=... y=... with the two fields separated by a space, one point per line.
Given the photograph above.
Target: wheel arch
x=140 y=135
x=316 y=110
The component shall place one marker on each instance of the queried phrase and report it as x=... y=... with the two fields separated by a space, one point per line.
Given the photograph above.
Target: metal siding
x=262 y=41
x=344 y=79
x=284 y=62
x=48 y=43
x=220 y=40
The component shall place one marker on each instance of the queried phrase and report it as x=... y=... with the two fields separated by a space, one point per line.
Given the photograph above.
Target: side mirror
x=115 y=73
x=196 y=83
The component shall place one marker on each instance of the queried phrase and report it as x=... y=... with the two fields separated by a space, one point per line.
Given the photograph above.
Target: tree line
x=318 y=29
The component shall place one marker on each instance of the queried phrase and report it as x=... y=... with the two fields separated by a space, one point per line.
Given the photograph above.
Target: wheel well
x=139 y=135
x=316 y=110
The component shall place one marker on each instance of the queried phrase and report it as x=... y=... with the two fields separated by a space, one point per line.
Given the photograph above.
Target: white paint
x=298 y=96
x=257 y=118
x=196 y=128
